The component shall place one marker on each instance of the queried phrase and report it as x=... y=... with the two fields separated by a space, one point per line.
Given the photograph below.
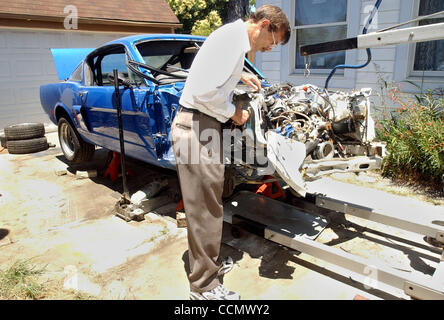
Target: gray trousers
x=202 y=187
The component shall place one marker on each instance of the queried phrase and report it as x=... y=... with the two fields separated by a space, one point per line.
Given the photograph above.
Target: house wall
x=386 y=61
x=269 y=63
x=26 y=63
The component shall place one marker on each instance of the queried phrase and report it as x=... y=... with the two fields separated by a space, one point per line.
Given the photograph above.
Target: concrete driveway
x=66 y=222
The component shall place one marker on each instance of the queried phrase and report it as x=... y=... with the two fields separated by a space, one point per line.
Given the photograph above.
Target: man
x=206 y=101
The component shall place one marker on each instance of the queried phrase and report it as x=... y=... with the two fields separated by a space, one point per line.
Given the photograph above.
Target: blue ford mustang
x=152 y=73
x=302 y=131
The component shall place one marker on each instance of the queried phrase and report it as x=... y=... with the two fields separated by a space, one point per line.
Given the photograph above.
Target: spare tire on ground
x=2 y=140
x=24 y=131
x=27 y=146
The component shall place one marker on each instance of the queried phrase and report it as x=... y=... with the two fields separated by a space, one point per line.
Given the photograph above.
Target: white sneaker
x=218 y=293
x=226 y=266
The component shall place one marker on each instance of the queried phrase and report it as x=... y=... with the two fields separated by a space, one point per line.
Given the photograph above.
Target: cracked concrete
x=68 y=224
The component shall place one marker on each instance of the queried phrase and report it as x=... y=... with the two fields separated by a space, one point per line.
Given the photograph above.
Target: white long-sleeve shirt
x=216 y=70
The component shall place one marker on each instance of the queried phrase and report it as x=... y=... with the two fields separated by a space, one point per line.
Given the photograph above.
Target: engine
x=328 y=123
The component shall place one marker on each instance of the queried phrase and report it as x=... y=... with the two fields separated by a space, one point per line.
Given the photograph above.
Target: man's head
x=268 y=26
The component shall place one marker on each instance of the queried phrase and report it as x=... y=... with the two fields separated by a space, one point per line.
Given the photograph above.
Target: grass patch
x=21 y=281
x=24 y=280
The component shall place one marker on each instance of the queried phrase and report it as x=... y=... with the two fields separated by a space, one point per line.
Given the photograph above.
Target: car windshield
x=156 y=61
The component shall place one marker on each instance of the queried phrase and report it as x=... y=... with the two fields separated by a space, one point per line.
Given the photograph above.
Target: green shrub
x=414 y=135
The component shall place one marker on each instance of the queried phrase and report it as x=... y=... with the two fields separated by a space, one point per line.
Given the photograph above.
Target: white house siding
x=26 y=63
x=382 y=64
x=270 y=63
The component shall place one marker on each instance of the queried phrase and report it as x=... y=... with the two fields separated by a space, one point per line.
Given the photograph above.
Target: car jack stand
x=113 y=166
x=271 y=190
x=126 y=211
x=122 y=207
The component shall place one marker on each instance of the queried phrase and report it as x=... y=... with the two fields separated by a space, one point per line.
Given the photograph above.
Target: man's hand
x=240 y=116
x=251 y=80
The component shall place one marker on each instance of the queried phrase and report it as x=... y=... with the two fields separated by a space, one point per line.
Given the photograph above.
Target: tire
x=24 y=131
x=229 y=182
x=236 y=232
x=73 y=147
x=27 y=146
x=3 y=140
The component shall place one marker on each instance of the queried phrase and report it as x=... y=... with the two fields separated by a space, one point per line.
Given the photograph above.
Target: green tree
x=201 y=17
x=205 y=26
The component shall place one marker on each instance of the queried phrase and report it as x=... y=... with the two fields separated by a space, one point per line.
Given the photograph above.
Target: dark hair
x=278 y=19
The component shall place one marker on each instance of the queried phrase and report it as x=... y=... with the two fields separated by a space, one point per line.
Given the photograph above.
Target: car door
x=100 y=107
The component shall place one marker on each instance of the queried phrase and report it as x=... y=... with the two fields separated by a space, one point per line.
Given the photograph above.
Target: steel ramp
x=274 y=215
x=284 y=224
x=379 y=206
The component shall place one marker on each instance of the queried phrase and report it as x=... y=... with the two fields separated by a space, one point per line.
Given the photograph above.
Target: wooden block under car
x=359 y=297
x=181 y=219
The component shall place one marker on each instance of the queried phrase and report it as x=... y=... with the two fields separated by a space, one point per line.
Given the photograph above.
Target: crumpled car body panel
x=309 y=132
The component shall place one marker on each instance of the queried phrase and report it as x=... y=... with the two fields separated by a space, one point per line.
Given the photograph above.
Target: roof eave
x=90 y=20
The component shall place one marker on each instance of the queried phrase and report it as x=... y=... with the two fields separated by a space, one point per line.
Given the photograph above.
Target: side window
x=77 y=74
x=102 y=65
x=314 y=21
x=429 y=56
x=420 y=66
x=111 y=62
x=88 y=74
x=320 y=21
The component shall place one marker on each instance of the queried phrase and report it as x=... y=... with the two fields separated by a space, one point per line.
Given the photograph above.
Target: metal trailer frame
x=433 y=229
x=251 y=218
x=430 y=228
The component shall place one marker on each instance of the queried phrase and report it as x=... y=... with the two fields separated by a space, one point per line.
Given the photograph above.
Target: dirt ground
x=66 y=222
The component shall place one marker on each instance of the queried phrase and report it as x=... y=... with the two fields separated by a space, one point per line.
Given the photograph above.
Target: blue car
x=84 y=107
x=152 y=71
x=298 y=130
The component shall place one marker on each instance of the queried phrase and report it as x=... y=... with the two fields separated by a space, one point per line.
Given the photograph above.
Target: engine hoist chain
x=307 y=66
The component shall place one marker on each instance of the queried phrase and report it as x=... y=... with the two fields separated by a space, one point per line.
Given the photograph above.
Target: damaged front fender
x=287 y=157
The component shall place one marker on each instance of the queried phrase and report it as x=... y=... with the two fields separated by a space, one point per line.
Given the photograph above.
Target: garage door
x=26 y=63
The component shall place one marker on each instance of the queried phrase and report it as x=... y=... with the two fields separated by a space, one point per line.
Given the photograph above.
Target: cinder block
x=181 y=219
x=359 y=297
x=86 y=174
x=60 y=172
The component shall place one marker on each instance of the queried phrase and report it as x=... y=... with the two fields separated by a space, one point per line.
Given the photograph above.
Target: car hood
x=66 y=60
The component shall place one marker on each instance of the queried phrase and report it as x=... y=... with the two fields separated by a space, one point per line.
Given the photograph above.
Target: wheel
x=73 y=147
x=27 y=146
x=24 y=131
x=2 y=140
x=236 y=232
x=229 y=182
